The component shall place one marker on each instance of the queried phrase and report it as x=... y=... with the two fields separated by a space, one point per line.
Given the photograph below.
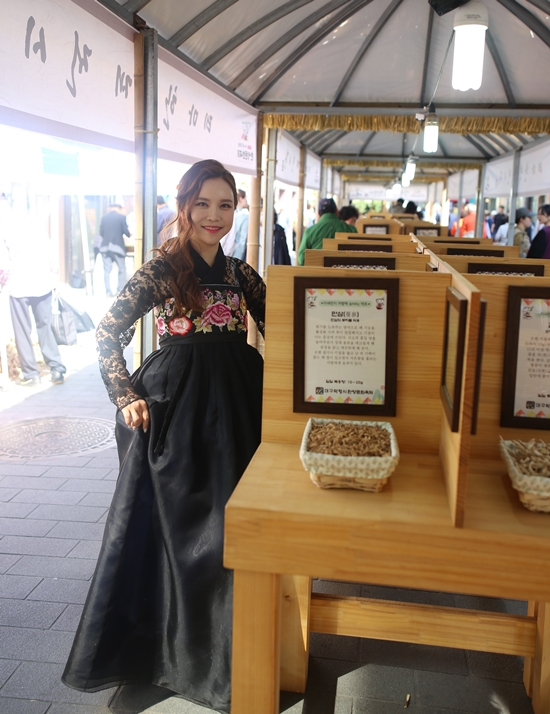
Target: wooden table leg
x=541 y=661
x=256 y=643
x=296 y=598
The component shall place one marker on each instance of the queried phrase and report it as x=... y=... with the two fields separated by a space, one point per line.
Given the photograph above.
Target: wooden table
x=278 y=522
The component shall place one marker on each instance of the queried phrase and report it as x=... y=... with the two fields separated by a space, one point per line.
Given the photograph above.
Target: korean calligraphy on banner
x=200 y=120
x=534 y=170
x=498 y=177
x=67 y=72
x=287 y=168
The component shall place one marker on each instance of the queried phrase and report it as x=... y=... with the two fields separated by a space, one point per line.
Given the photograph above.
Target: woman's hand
x=136 y=414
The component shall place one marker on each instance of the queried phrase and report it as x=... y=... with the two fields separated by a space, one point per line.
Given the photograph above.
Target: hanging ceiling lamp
x=470 y=25
x=410 y=167
x=405 y=181
x=431 y=131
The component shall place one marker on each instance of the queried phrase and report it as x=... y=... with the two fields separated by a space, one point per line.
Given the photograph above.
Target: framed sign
x=345 y=345
x=453 y=355
x=369 y=247
x=345 y=261
x=526 y=378
x=526 y=269
x=461 y=241
x=479 y=360
x=422 y=231
x=382 y=229
x=363 y=236
x=487 y=252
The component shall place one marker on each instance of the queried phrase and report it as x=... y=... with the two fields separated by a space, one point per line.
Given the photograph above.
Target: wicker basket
x=366 y=473
x=533 y=491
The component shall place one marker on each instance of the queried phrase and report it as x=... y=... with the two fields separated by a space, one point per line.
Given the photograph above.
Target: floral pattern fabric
x=150 y=286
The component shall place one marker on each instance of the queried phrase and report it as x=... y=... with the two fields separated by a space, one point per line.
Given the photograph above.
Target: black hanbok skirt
x=159 y=609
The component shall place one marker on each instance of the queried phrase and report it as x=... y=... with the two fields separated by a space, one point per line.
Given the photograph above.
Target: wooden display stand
x=279 y=524
x=365 y=243
x=399 y=261
x=378 y=226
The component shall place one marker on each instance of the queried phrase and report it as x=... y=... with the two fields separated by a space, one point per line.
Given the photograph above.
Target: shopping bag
x=63 y=322
x=83 y=321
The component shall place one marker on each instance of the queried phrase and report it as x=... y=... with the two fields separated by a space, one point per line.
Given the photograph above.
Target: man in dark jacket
x=112 y=229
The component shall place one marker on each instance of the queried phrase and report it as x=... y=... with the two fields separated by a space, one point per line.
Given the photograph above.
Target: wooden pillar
x=480 y=204
x=541 y=662
x=295 y=616
x=301 y=190
x=256 y=643
x=269 y=199
x=146 y=142
x=253 y=239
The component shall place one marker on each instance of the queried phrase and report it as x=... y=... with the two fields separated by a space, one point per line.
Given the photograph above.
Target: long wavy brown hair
x=177 y=251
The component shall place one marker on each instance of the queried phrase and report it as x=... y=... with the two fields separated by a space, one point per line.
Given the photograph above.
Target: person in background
x=498 y=220
x=521 y=237
x=488 y=224
x=397 y=206
x=411 y=208
x=165 y=215
x=348 y=214
x=326 y=227
x=30 y=282
x=465 y=227
x=309 y=215
x=235 y=242
x=281 y=256
x=540 y=247
x=112 y=229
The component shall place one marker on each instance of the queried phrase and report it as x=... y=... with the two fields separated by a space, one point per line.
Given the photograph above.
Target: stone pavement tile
x=22 y=706
x=42 y=496
x=22 y=545
x=6 y=561
x=9 y=468
x=29 y=613
x=6 y=494
x=42 y=681
x=17 y=586
x=470 y=694
x=7 y=668
x=85 y=531
x=334 y=646
x=75 y=461
x=375 y=706
x=372 y=681
x=495 y=666
x=112 y=475
x=103 y=518
x=75 y=472
x=98 y=498
x=75 y=568
x=317 y=702
x=424 y=597
x=29 y=482
x=107 y=462
x=153 y=700
x=291 y=703
x=29 y=527
x=78 y=709
x=33 y=645
x=16 y=510
x=69 y=619
x=84 y=549
x=404 y=654
x=54 y=590
x=84 y=514
x=88 y=485
x=336 y=587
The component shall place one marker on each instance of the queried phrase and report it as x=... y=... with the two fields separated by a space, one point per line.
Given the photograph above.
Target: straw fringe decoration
x=401 y=124
x=378 y=178
x=449 y=164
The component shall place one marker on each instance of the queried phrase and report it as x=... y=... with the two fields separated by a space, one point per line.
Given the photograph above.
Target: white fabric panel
x=431 y=192
x=313 y=171
x=392 y=66
x=287 y=168
x=336 y=182
x=440 y=185
x=169 y=17
x=470 y=180
x=534 y=170
x=453 y=186
x=78 y=82
x=366 y=191
x=498 y=177
x=350 y=143
x=200 y=120
x=417 y=193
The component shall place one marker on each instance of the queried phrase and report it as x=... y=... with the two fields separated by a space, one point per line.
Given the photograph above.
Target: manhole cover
x=55 y=436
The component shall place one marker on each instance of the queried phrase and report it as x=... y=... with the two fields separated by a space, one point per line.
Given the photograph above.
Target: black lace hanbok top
x=150 y=287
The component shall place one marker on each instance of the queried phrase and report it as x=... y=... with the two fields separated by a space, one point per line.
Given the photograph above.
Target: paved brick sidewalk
x=52 y=513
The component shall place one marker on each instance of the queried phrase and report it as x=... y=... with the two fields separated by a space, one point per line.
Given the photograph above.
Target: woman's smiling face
x=211 y=215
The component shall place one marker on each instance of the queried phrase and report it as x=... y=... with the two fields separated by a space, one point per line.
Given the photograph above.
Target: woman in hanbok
x=159 y=609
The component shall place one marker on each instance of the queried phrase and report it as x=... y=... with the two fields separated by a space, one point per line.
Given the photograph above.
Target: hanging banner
x=439 y=186
x=431 y=192
x=336 y=182
x=498 y=177
x=287 y=168
x=313 y=171
x=453 y=187
x=200 y=120
x=329 y=181
x=470 y=180
x=534 y=171
x=68 y=71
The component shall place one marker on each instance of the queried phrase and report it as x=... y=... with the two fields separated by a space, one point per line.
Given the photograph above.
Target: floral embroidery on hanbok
x=223 y=310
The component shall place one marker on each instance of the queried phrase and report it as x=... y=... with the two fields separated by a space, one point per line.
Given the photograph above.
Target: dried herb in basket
x=349 y=440
x=532 y=458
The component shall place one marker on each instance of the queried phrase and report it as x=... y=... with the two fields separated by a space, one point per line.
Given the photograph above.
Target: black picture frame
x=427 y=231
x=456 y=310
x=509 y=269
x=331 y=260
x=375 y=229
x=472 y=252
x=367 y=247
x=391 y=285
x=516 y=294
